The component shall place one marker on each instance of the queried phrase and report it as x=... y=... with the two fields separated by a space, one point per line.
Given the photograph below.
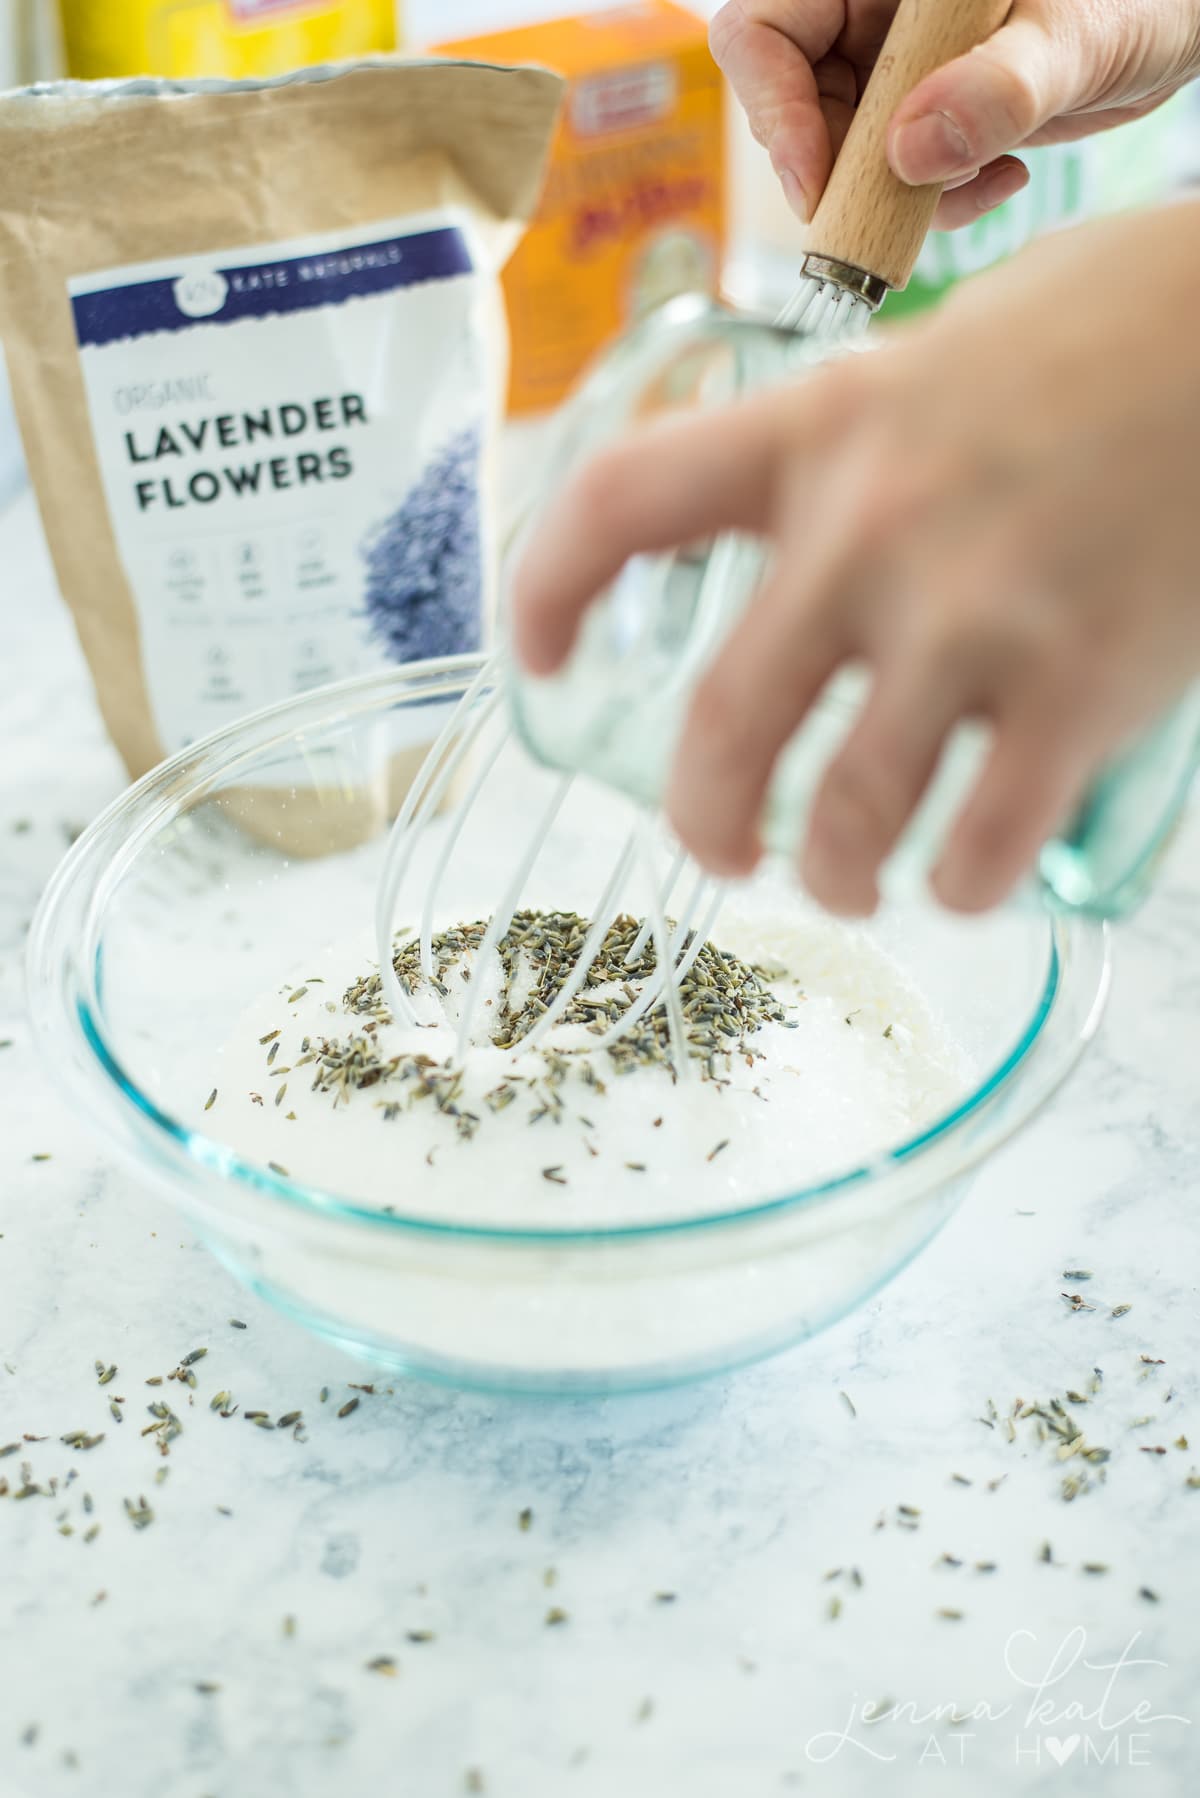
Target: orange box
x=633 y=209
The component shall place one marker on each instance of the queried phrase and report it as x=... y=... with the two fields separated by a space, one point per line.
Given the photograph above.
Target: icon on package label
x=201 y=293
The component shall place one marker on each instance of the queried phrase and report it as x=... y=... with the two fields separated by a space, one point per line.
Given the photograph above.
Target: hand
x=996 y=513
x=1059 y=69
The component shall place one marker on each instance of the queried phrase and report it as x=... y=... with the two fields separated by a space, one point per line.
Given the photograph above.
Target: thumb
x=990 y=101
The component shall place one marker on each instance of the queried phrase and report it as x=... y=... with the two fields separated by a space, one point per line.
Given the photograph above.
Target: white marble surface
x=736 y=1496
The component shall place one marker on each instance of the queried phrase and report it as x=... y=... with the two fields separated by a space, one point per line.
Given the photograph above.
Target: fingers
x=875 y=782
x=668 y=485
x=756 y=697
x=769 y=63
x=793 y=67
x=971 y=112
x=991 y=187
x=1035 y=775
x=748 y=705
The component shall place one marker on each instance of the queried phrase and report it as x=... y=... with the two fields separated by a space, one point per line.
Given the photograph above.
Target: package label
x=289 y=438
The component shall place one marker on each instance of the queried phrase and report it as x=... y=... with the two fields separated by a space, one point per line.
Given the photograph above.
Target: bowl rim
x=174 y=782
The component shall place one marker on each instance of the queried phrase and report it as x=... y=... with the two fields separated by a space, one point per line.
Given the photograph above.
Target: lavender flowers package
x=256 y=344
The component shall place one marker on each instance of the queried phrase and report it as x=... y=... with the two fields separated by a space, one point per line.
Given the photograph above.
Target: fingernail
x=835 y=882
x=536 y=655
x=1000 y=186
x=958 y=884
x=795 y=196
x=930 y=149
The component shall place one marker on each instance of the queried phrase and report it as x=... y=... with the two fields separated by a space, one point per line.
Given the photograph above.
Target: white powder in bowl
x=860 y=1066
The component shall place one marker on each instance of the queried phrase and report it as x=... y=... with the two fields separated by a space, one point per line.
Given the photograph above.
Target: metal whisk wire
x=428 y=789
x=677 y=944
x=502 y=917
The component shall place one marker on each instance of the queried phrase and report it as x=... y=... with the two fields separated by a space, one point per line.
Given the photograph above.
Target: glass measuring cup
x=616 y=710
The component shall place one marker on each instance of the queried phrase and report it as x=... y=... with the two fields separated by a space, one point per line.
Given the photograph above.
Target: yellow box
x=230 y=38
x=633 y=209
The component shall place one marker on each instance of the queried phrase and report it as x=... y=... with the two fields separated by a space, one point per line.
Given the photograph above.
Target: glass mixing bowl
x=237 y=859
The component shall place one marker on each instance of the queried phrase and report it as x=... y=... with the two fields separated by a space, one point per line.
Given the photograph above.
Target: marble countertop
x=689 y=1537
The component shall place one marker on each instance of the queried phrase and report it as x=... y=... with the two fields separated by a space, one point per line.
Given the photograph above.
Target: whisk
x=864 y=242
x=869 y=228
x=471 y=730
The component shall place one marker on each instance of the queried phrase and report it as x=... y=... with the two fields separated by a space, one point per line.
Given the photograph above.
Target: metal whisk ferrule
x=856 y=281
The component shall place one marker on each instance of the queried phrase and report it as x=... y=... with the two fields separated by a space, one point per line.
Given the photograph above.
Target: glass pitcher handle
x=1105 y=862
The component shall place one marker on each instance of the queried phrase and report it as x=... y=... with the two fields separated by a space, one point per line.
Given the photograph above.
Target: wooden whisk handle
x=868 y=217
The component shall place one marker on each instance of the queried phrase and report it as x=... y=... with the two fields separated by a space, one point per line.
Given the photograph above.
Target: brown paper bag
x=256 y=346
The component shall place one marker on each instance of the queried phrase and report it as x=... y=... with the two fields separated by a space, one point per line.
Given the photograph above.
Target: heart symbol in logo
x=1061 y=1751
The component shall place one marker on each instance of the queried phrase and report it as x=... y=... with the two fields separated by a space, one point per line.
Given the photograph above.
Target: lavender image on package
x=424 y=589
